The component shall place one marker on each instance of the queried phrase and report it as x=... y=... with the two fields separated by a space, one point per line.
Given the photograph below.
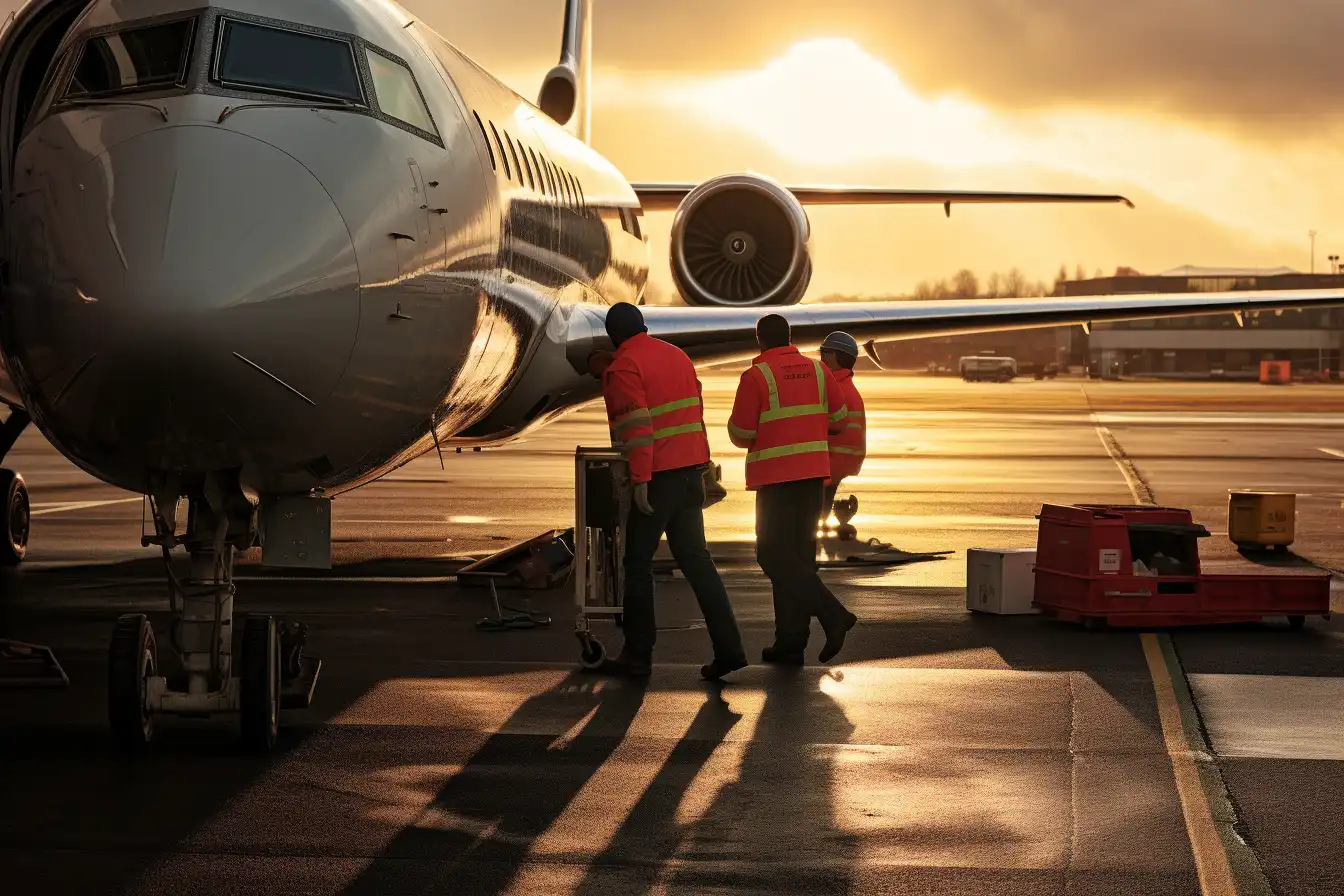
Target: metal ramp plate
x=29 y=666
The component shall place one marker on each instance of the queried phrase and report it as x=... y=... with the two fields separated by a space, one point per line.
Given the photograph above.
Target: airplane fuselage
x=286 y=256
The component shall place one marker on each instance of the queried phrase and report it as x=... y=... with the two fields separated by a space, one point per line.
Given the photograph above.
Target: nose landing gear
x=273 y=672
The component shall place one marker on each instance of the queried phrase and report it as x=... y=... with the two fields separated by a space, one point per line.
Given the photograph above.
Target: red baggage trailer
x=1139 y=566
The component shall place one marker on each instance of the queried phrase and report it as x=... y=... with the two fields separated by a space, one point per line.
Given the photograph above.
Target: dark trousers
x=677 y=498
x=786 y=549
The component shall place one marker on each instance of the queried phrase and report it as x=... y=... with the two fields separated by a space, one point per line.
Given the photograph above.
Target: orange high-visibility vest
x=654 y=407
x=850 y=445
x=785 y=408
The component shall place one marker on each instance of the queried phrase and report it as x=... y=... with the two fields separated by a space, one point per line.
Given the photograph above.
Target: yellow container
x=1261 y=519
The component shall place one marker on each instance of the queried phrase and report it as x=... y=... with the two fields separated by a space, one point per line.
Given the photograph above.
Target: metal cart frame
x=599 y=574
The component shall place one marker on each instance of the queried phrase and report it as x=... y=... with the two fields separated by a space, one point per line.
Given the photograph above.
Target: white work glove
x=642 y=498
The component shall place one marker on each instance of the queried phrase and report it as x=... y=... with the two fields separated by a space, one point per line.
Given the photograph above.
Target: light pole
x=1334 y=263
x=1312 y=234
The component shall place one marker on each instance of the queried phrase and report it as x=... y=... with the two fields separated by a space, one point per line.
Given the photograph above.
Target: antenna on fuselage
x=567 y=86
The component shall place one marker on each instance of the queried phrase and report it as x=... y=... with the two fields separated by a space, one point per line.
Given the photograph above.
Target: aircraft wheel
x=17 y=519
x=259 y=703
x=132 y=660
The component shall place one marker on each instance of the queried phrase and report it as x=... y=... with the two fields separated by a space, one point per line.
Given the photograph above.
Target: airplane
x=257 y=253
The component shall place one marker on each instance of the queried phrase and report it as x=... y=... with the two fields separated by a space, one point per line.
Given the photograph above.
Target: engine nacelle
x=741 y=240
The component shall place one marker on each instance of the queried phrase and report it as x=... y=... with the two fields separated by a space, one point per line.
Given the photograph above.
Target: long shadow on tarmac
x=734 y=844
x=508 y=794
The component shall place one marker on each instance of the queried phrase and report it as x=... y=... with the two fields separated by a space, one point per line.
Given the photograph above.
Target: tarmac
x=942 y=752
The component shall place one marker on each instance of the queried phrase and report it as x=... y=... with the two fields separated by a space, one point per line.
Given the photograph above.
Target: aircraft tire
x=132 y=659
x=17 y=520
x=259 y=700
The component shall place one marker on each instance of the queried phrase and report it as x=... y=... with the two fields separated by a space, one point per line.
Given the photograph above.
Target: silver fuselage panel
x=210 y=275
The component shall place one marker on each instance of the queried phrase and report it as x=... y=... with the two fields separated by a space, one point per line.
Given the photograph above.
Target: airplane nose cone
x=187 y=300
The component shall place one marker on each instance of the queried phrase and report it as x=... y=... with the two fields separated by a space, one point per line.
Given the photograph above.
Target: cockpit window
x=145 y=58
x=277 y=60
x=397 y=93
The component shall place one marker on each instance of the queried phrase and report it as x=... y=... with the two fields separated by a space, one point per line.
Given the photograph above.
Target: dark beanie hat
x=623 y=321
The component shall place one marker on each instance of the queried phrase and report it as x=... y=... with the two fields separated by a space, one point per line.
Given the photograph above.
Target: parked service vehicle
x=987 y=367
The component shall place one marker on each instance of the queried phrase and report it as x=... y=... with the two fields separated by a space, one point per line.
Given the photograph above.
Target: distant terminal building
x=1196 y=347
x=1210 y=345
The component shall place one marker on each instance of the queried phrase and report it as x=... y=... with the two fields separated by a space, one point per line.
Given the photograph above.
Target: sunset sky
x=1217 y=117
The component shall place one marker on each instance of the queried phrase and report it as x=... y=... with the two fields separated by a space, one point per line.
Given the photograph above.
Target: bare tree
x=1060 y=279
x=965 y=285
x=1079 y=273
x=993 y=286
x=1014 y=284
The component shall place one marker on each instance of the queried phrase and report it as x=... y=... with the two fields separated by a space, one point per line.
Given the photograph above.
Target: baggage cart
x=1122 y=565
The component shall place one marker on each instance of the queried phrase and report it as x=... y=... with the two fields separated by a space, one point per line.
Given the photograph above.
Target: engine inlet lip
x=756 y=183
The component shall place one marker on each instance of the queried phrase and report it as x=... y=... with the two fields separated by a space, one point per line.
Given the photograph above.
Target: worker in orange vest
x=840 y=352
x=655 y=411
x=786 y=407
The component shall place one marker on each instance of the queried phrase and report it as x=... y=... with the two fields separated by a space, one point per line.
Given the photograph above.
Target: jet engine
x=741 y=240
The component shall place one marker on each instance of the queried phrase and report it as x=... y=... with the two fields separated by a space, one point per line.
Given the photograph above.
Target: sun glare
x=827 y=101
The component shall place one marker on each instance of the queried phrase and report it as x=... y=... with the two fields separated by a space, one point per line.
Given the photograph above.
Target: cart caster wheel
x=259 y=708
x=1093 y=623
x=1296 y=623
x=593 y=653
x=132 y=660
x=1280 y=548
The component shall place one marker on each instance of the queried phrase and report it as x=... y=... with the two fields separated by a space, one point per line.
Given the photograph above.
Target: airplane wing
x=724 y=334
x=666 y=197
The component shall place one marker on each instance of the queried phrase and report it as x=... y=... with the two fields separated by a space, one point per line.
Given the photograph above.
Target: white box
x=1000 y=580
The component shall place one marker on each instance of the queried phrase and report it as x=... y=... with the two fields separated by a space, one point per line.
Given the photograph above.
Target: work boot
x=835 y=630
x=778 y=656
x=715 y=670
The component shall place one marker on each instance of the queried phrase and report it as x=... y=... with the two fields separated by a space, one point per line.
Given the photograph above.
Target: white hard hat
x=842 y=342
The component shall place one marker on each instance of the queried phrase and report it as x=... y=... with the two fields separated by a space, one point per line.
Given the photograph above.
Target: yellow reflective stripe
x=821 y=383
x=840 y=414
x=799 y=410
x=674 y=406
x=770 y=384
x=853 y=426
x=638 y=442
x=670 y=431
x=787 y=450
x=842 y=450
x=745 y=434
x=855 y=415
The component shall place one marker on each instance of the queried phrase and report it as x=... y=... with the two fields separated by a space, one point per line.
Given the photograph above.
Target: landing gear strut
x=272 y=673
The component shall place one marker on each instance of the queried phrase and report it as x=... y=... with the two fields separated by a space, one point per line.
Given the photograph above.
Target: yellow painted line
x=1211 y=861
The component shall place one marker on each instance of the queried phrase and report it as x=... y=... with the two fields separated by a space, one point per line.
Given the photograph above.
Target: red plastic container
x=1085 y=572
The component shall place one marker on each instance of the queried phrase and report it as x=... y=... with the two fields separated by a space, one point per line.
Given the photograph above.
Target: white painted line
x=1333 y=452
x=67 y=506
